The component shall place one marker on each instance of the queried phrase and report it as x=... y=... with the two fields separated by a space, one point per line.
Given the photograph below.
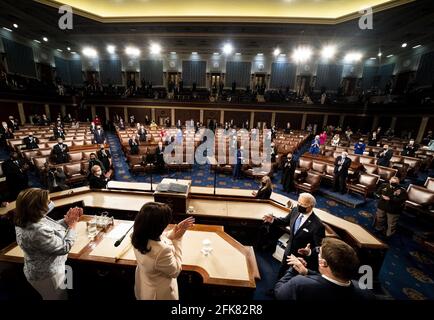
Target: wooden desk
x=214 y=268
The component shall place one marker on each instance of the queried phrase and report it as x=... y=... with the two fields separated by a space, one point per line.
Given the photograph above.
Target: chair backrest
x=305 y=163
x=86 y=155
x=420 y=195
x=39 y=162
x=429 y=184
x=396 y=159
x=370 y=168
x=45 y=152
x=313 y=179
x=368 y=180
x=412 y=162
x=354 y=158
x=72 y=168
x=75 y=156
x=336 y=154
x=386 y=173
x=319 y=167
x=31 y=154
x=78 y=143
x=330 y=169
x=366 y=160
x=134 y=159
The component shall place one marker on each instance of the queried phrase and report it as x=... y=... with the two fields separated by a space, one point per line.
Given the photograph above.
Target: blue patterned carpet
x=407 y=272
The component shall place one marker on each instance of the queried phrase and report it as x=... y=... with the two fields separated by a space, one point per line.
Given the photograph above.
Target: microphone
x=119 y=241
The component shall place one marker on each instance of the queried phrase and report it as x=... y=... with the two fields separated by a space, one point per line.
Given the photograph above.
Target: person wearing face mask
x=59 y=132
x=159 y=156
x=105 y=157
x=142 y=133
x=390 y=205
x=97 y=180
x=372 y=140
x=307 y=231
x=5 y=133
x=410 y=149
x=99 y=135
x=288 y=173
x=16 y=175
x=359 y=147
x=134 y=145
x=384 y=156
x=94 y=161
x=31 y=142
x=315 y=146
x=337 y=265
x=92 y=127
x=266 y=189
x=342 y=164
x=60 y=152
x=44 y=241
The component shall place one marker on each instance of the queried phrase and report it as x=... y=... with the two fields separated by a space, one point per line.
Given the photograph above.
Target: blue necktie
x=298 y=223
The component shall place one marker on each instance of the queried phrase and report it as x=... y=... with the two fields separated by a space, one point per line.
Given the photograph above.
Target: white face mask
x=50 y=207
x=98 y=173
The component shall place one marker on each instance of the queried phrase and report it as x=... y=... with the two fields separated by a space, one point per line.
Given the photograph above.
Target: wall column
x=47 y=111
x=63 y=110
x=126 y=120
x=153 y=114
x=222 y=117
x=93 y=111
x=303 y=121
x=422 y=129
x=393 y=123
x=273 y=119
x=21 y=112
x=172 y=117
x=107 y=114
x=252 y=119
x=201 y=116
x=341 y=120
x=325 y=120
x=375 y=123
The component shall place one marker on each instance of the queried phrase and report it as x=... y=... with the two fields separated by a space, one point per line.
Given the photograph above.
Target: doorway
x=303 y=85
x=348 y=86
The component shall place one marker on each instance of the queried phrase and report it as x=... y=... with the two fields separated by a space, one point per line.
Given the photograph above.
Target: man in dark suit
x=93 y=161
x=342 y=164
x=134 y=145
x=16 y=176
x=142 y=133
x=97 y=180
x=337 y=265
x=384 y=156
x=58 y=132
x=60 y=152
x=104 y=156
x=31 y=142
x=307 y=231
x=236 y=173
x=410 y=149
x=159 y=156
x=99 y=135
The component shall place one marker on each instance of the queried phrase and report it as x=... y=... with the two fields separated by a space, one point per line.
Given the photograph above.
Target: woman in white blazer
x=158 y=253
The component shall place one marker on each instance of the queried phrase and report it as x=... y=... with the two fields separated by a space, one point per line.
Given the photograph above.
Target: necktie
x=298 y=223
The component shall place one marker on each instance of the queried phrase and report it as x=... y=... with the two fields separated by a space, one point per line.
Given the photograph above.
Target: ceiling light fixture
x=155 y=48
x=15 y=26
x=328 y=52
x=404 y=45
x=353 y=57
x=276 y=52
x=417 y=46
x=227 y=49
x=390 y=56
x=37 y=41
x=111 y=49
x=302 y=54
x=7 y=29
x=45 y=39
x=132 y=51
x=90 y=52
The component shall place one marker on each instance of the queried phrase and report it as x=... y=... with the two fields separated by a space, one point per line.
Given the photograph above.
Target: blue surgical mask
x=50 y=207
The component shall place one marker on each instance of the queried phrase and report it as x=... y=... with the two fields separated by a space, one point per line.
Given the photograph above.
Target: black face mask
x=301 y=209
x=263 y=184
x=394 y=184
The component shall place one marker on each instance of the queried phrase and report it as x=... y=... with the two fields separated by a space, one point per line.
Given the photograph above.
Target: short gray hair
x=310 y=197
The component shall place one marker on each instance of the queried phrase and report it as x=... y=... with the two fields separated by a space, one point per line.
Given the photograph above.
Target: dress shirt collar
x=341 y=284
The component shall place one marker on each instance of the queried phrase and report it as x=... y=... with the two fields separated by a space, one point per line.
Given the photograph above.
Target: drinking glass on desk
x=92 y=229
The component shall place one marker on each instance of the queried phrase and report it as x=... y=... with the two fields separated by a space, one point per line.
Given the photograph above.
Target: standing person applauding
x=45 y=242
x=158 y=253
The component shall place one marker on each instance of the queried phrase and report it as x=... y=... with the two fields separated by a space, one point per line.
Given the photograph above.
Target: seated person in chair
x=97 y=180
x=31 y=142
x=337 y=265
x=134 y=145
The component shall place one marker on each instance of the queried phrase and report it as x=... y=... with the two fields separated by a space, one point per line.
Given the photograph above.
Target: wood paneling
x=315 y=119
x=8 y=109
x=294 y=118
x=32 y=108
x=100 y=112
x=239 y=117
x=364 y=124
x=55 y=109
x=384 y=123
x=263 y=117
x=119 y=111
x=211 y=114
x=333 y=120
x=406 y=125
x=430 y=126
x=187 y=114
x=139 y=113
x=161 y=114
